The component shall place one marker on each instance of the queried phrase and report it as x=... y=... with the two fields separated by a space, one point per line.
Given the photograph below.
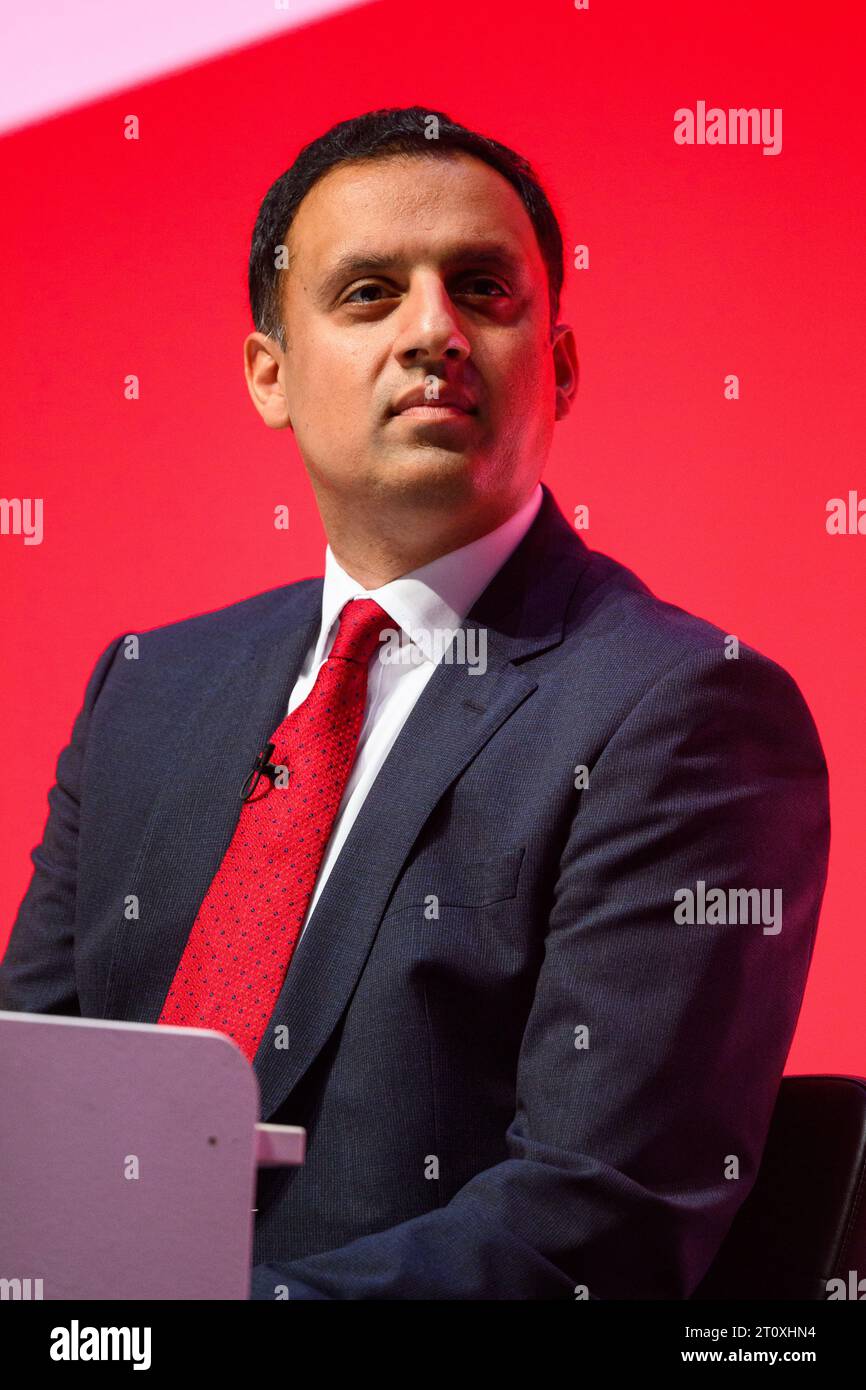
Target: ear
x=264 y=369
x=566 y=367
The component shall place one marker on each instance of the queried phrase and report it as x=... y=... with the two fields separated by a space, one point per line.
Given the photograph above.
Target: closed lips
x=456 y=400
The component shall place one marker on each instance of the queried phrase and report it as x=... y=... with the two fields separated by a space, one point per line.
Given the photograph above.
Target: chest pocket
x=459 y=882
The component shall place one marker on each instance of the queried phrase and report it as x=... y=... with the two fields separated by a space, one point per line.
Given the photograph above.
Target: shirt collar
x=435 y=596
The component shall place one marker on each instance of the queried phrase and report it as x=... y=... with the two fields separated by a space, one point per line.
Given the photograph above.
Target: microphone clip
x=262 y=767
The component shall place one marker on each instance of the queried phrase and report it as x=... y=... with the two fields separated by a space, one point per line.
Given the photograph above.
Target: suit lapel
x=236 y=703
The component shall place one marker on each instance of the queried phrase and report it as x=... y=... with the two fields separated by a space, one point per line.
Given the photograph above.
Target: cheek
x=341 y=378
x=326 y=391
x=525 y=388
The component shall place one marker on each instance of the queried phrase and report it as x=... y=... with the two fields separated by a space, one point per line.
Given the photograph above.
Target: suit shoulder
x=615 y=615
x=285 y=604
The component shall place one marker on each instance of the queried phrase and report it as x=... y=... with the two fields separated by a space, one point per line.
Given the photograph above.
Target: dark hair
x=410 y=130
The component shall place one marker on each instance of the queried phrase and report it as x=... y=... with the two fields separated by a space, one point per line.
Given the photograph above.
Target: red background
x=130 y=257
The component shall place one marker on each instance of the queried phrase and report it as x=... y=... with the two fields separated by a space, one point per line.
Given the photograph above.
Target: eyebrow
x=491 y=254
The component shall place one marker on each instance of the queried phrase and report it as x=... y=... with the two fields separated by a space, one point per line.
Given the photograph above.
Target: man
x=517 y=928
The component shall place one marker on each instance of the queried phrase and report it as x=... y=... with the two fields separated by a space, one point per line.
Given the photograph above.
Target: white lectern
x=128 y=1156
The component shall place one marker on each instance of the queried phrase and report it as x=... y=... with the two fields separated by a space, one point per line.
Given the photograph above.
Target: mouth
x=452 y=402
x=433 y=411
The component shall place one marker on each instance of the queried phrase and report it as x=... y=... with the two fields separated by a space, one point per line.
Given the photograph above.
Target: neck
x=375 y=547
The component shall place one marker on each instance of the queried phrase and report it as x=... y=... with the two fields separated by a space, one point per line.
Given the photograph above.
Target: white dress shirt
x=435 y=597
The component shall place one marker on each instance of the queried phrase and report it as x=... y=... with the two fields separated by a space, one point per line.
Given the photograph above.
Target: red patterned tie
x=247 y=927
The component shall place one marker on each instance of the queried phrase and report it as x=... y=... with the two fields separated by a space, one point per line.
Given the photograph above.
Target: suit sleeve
x=654 y=1048
x=37 y=973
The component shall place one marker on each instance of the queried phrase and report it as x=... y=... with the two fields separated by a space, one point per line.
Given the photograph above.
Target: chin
x=437 y=473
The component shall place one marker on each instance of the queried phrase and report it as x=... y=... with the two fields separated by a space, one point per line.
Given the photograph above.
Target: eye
x=361 y=289
x=486 y=280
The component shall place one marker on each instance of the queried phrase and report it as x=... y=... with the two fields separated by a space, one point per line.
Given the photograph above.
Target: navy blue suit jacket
x=545 y=1087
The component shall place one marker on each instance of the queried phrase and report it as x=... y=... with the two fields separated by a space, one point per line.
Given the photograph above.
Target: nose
x=428 y=324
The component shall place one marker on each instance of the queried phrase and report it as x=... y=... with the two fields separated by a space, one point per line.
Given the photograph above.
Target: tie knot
x=361 y=622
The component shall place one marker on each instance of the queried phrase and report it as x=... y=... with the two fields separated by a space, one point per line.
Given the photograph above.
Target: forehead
x=408 y=207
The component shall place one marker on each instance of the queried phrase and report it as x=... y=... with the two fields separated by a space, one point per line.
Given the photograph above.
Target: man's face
x=419 y=275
